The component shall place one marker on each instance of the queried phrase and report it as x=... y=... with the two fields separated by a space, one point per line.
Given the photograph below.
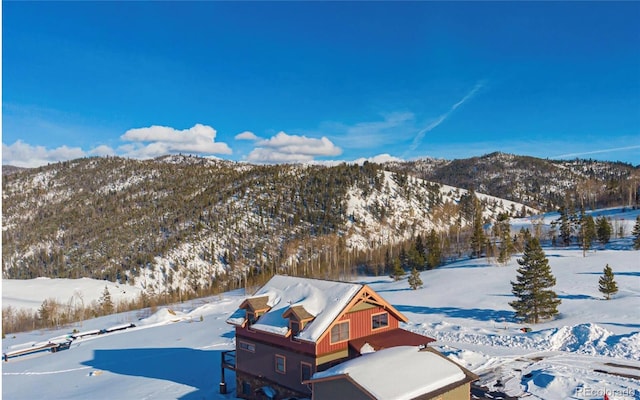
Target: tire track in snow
x=62 y=371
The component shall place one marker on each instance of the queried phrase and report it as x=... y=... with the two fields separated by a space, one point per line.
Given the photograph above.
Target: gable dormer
x=255 y=307
x=298 y=318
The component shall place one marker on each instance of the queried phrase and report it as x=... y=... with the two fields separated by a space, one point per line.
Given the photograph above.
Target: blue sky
x=271 y=82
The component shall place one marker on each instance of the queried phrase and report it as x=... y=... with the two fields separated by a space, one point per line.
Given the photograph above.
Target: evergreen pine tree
x=45 y=311
x=398 y=271
x=415 y=255
x=636 y=233
x=434 y=250
x=536 y=301
x=388 y=264
x=502 y=232
x=404 y=259
x=419 y=245
x=587 y=232
x=608 y=285
x=414 y=280
x=478 y=238
x=106 y=302
x=565 y=227
x=604 y=230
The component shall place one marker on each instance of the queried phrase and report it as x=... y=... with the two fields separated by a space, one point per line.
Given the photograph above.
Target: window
x=246 y=387
x=295 y=327
x=251 y=318
x=281 y=364
x=250 y=347
x=340 y=332
x=305 y=371
x=379 y=320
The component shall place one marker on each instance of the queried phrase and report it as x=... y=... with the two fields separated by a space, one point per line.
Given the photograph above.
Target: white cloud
x=269 y=156
x=22 y=154
x=246 y=135
x=379 y=159
x=292 y=148
x=102 y=150
x=150 y=142
x=157 y=140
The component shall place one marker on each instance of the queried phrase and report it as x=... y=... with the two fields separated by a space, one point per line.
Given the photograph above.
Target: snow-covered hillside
x=186 y=223
x=592 y=348
x=399 y=213
x=30 y=293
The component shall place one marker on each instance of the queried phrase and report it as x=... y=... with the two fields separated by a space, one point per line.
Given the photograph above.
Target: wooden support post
x=223 y=384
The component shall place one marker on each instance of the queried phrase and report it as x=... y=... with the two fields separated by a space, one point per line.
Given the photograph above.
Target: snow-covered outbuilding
x=294 y=327
x=398 y=373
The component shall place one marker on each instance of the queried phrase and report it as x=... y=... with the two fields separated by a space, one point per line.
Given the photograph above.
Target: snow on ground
x=593 y=347
x=172 y=354
x=464 y=306
x=30 y=293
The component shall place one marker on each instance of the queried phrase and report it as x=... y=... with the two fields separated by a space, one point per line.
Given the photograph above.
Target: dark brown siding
x=261 y=363
x=276 y=340
x=342 y=388
x=338 y=389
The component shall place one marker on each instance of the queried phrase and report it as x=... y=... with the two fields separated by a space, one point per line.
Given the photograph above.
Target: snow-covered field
x=30 y=293
x=593 y=347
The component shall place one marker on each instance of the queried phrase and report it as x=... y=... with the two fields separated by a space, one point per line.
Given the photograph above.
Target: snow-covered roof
x=320 y=299
x=408 y=372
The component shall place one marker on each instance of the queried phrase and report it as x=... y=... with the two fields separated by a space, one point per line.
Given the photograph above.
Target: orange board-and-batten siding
x=360 y=325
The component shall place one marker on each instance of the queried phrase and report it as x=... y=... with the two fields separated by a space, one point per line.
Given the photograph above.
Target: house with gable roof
x=292 y=328
x=398 y=373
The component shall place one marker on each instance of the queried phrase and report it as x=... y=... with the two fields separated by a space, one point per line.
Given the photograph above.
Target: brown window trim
x=348 y=322
x=284 y=363
x=302 y=379
x=380 y=327
x=248 y=346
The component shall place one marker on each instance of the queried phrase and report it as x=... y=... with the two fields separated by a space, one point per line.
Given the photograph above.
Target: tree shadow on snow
x=229 y=334
x=478 y=314
x=615 y=273
x=471 y=264
x=394 y=290
x=635 y=326
x=184 y=366
x=576 y=297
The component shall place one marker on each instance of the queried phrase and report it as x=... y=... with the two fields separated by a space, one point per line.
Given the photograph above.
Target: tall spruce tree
x=388 y=263
x=106 y=302
x=587 y=232
x=478 y=238
x=415 y=255
x=414 y=279
x=604 y=230
x=502 y=232
x=607 y=283
x=434 y=250
x=566 y=226
x=398 y=271
x=536 y=301
x=636 y=233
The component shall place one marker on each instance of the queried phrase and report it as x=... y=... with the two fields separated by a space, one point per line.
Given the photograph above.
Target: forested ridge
x=181 y=221
x=539 y=183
